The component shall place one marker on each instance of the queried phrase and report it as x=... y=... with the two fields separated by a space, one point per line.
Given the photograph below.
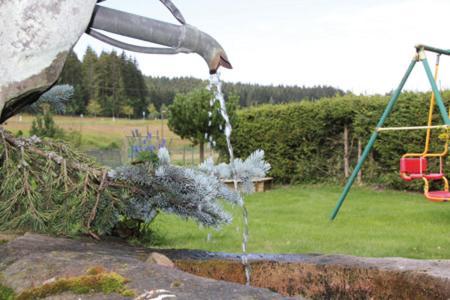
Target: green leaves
x=304 y=141
x=189 y=116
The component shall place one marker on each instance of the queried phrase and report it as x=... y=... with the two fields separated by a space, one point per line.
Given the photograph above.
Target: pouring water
x=216 y=86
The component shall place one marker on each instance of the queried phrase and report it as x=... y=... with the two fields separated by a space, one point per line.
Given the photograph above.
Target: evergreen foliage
x=253 y=167
x=56 y=99
x=304 y=141
x=48 y=187
x=114 y=80
x=73 y=75
x=183 y=191
x=163 y=90
x=45 y=126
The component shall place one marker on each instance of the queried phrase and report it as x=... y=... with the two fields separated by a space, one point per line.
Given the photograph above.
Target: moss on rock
x=96 y=280
x=6 y=293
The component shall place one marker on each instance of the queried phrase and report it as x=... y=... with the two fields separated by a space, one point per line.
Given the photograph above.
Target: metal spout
x=178 y=38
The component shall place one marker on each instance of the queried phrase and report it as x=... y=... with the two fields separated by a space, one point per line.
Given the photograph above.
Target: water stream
x=216 y=86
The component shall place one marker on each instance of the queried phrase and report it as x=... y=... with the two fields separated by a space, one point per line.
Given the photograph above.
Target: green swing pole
x=373 y=137
x=432 y=49
x=437 y=94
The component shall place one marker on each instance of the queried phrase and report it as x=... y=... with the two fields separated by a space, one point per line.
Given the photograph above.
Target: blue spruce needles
x=188 y=193
x=57 y=97
x=48 y=187
x=245 y=170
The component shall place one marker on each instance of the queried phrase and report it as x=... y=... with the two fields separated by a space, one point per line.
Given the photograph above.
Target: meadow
x=288 y=219
x=101 y=132
x=295 y=219
x=93 y=135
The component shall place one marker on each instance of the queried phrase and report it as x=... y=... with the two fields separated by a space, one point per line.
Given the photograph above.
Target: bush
x=44 y=126
x=304 y=141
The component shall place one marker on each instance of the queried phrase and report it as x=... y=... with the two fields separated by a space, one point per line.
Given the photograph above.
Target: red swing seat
x=415 y=168
x=438 y=196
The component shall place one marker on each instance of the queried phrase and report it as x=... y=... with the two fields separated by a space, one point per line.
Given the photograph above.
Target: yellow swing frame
x=425 y=153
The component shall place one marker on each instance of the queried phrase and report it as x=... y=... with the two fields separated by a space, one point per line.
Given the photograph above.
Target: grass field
x=291 y=219
x=99 y=132
x=104 y=133
x=296 y=220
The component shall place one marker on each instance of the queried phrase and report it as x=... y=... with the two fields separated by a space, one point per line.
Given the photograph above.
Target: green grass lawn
x=295 y=219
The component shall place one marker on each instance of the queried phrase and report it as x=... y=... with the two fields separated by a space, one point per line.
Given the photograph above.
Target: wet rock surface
x=30 y=260
x=327 y=276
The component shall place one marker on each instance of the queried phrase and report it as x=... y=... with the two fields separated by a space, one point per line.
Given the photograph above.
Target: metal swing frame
x=418 y=57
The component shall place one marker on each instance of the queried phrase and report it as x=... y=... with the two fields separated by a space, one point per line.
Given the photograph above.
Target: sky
x=363 y=46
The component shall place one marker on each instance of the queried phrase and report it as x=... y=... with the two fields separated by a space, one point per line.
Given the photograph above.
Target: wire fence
x=182 y=152
x=108 y=157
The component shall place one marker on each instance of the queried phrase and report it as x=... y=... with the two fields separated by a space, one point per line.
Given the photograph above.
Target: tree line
x=162 y=90
x=111 y=84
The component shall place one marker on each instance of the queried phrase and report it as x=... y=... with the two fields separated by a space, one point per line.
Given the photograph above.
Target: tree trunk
x=202 y=151
x=346 y=153
x=359 y=180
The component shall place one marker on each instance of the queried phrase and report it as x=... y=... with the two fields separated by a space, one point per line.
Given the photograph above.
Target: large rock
x=326 y=276
x=31 y=260
x=36 y=37
x=34 y=259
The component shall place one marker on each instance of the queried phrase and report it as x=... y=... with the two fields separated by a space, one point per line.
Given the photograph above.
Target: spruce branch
x=48 y=187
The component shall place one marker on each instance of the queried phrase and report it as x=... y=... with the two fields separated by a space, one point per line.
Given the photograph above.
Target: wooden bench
x=261 y=184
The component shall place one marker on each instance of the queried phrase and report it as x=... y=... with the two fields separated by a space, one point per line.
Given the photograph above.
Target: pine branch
x=47 y=187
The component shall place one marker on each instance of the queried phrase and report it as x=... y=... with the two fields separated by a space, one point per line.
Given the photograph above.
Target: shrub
x=44 y=126
x=304 y=141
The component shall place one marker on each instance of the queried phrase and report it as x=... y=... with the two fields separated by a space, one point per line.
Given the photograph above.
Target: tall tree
x=90 y=59
x=191 y=116
x=152 y=111
x=127 y=110
x=136 y=89
x=94 y=108
x=72 y=74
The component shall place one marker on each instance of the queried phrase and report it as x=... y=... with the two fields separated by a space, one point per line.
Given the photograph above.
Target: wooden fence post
x=359 y=179
x=346 y=153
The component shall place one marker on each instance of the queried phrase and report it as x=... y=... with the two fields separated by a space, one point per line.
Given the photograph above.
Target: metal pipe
x=147 y=50
x=437 y=94
x=174 y=11
x=184 y=37
x=420 y=47
x=372 y=139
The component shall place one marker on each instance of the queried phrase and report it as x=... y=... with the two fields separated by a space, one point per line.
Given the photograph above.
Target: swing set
x=414 y=166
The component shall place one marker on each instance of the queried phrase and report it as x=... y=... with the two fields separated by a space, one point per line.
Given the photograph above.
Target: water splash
x=215 y=85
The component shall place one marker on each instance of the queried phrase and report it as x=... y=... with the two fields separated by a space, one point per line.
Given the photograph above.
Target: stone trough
x=32 y=259
x=327 y=276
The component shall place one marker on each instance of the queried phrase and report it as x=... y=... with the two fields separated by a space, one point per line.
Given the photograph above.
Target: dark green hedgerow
x=304 y=141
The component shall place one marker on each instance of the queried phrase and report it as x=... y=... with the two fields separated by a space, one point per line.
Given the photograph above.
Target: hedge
x=304 y=142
